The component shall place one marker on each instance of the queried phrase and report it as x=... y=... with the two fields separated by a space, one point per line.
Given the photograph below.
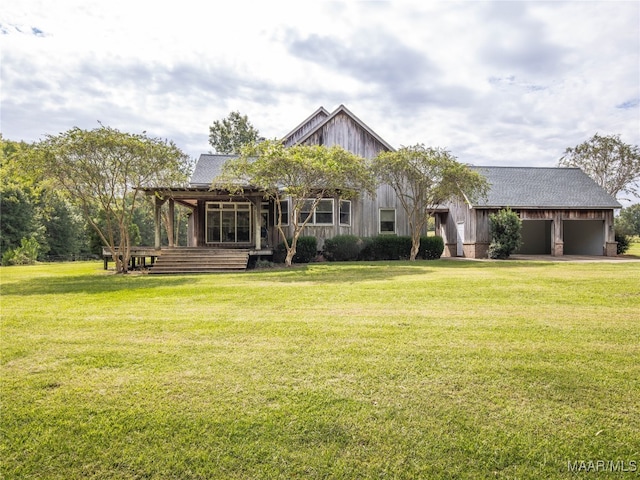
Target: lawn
x=436 y=370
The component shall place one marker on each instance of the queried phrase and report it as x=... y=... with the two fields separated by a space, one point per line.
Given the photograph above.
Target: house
x=247 y=221
x=563 y=212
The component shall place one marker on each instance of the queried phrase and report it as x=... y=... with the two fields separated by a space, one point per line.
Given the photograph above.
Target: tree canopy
x=613 y=164
x=628 y=222
x=230 y=134
x=103 y=170
x=424 y=178
x=304 y=174
x=34 y=210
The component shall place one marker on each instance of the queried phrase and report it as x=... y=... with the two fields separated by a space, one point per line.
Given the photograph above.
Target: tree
x=505 y=228
x=19 y=198
x=424 y=178
x=230 y=134
x=305 y=174
x=611 y=163
x=628 y=222
x=103 y=170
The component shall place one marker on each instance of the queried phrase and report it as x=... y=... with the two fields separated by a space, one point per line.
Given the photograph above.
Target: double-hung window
x=284 y=210
x=345 y=212
x=387 y=220
x=321 y=215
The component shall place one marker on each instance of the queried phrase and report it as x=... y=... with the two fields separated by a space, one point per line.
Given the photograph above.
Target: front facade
x=563 y=211
x=248 y=221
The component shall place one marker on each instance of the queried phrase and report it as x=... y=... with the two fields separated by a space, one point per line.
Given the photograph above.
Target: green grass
x=443 y=369
x=634 y=247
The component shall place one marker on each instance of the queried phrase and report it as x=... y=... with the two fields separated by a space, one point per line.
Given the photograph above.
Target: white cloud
x=495 y=82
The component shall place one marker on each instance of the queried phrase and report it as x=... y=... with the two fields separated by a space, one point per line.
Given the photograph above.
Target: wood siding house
x=563 y=212
x=220 y=220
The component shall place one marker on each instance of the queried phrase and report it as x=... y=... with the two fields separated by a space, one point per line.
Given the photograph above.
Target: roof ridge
x=332 y=115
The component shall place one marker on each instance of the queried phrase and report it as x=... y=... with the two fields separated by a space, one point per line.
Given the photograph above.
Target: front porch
x=217 y=219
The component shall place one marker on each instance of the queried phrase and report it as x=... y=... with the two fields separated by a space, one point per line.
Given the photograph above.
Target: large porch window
x=228 y=222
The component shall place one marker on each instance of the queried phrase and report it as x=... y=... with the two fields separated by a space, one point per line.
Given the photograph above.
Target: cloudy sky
x=497 y=83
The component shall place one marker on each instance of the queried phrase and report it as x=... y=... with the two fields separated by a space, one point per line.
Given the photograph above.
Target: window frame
x=236 y=208
x=395 y=221
x=313 y=221
x=285 y=212
x=340 y=213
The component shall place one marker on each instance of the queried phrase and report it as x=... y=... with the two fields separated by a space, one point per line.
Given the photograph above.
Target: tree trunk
x=291 y=249
x=415 y=248
x=289 y=258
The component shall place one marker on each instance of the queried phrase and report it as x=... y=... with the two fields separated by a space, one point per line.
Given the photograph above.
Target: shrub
x=343 y=248
x=25 y=254
x=624 y=242
x=306 y=250
x=387 y=247
x=431 y=248
x=505 y=229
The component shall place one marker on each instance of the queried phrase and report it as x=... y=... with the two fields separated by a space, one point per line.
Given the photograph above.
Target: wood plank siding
x=474 y=223
x=344 y=129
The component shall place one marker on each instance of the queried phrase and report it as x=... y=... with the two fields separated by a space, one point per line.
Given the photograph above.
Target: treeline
x=38 y=222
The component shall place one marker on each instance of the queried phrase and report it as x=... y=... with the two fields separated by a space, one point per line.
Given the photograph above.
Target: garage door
x=583 y=237
x=536 y=237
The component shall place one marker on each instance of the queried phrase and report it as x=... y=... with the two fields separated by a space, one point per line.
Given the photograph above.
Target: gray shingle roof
x=208 y=167
x=532 y=187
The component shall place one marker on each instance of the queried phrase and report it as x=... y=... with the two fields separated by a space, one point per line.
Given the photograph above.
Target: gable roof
x=315 y=118
x=340 y=110
x=208 y=167
x=539 y=187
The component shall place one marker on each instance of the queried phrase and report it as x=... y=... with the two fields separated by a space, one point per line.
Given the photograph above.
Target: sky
x=495 y=83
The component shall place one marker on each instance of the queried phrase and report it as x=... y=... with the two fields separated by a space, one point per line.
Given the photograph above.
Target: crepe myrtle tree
x=424 y=178
x=302 y=173
x=103 y=170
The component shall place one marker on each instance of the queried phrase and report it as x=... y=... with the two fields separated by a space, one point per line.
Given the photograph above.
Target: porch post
x=158 y=221
x=257 y=218
x=172 y=225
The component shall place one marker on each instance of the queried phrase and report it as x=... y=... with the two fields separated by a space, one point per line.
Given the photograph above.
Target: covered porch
x=217 y=219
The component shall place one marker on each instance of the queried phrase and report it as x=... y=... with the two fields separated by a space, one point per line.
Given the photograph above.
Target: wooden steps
x=200 y=260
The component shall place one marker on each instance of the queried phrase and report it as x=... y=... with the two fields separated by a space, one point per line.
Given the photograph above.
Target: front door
x=228 y=222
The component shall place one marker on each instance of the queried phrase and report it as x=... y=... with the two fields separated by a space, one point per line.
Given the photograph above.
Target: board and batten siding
x=306 y=127
x=344 y=131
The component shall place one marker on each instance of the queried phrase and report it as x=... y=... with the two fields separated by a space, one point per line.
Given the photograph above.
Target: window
x=322 y=215
x=228 y=222
x=345 y=212
x=387 y=220
x=284 y=206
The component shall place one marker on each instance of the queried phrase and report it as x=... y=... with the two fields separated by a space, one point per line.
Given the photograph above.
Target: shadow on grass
x=324 y=272
x=351 y=272
x=52 y=285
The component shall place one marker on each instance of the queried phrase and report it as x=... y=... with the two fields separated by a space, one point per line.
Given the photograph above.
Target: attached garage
x=563 y=212
x=583 y=237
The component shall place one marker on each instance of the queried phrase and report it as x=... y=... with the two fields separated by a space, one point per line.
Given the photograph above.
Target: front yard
x=441 y=369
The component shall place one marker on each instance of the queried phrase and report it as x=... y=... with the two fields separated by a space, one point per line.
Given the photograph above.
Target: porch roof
x=208 y=167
